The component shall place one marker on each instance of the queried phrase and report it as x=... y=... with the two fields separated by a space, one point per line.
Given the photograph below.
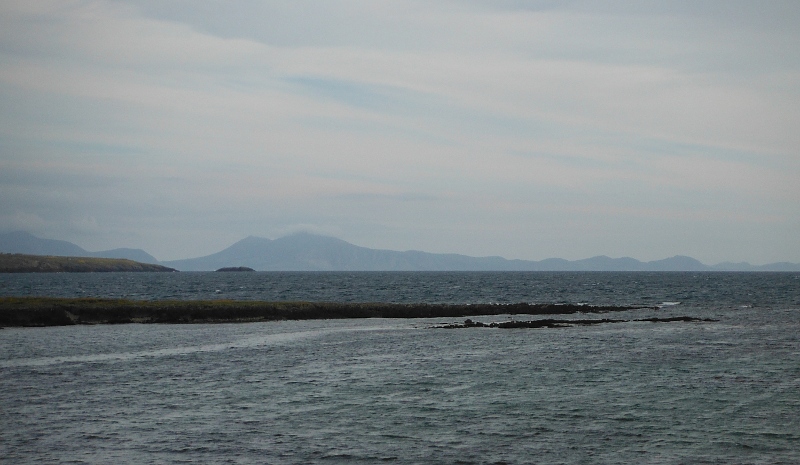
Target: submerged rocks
x=551 y=323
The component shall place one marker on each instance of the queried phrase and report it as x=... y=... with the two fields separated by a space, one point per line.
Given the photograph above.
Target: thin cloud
x=465 y=127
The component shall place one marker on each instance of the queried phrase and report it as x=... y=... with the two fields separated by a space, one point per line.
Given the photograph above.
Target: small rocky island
x=22 y=263
x=235 y=268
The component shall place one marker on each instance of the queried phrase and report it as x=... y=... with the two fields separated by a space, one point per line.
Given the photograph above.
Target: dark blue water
x=398 y=391
x=704 y=289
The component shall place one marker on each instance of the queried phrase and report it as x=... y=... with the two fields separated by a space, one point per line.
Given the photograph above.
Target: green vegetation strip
x=43 y=311
x=21 y=263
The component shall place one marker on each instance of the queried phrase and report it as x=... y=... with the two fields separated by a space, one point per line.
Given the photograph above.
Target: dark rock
x=552 y=323
x=236 y=268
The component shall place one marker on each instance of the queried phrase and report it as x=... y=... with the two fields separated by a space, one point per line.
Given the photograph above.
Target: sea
x=405 y=391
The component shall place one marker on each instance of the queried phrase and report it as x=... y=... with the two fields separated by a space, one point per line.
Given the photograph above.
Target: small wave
x=249 y=342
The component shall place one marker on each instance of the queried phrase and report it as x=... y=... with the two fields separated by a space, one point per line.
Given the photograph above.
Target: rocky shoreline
x=42 y=311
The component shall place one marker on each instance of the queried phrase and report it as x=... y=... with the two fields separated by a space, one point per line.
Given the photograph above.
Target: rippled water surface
x=398 y=391
x=709 y=289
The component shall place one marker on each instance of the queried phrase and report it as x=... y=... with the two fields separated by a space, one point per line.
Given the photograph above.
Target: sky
x=524 y=129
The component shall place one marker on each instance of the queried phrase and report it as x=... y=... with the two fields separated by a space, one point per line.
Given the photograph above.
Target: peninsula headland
x=23 y=263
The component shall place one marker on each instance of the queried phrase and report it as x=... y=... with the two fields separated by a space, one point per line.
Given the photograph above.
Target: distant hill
x=26 y=243
x=22 y=242
x=311 y=252
x=137 y=255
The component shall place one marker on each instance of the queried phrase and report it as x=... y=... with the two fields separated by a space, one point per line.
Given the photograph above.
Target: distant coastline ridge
x=312 y=252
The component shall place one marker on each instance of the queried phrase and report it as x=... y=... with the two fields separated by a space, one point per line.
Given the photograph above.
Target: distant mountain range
x=311 y=252
x=22 y=242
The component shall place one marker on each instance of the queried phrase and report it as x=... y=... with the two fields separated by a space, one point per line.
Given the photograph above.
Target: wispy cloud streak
x=523 y=129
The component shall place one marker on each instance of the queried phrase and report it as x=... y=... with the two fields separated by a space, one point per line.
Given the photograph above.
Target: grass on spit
x=22 y=263
x=47 y=311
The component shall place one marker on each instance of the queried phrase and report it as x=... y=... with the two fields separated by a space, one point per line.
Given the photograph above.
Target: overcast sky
x=525 y=129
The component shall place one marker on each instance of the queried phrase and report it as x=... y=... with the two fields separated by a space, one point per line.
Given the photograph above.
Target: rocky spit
x=38 y=311
x=552 y=323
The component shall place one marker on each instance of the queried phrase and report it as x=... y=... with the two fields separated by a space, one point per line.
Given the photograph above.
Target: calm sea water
x=399 y=391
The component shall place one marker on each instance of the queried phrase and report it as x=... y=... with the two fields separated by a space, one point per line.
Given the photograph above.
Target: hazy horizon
x=522 y=129
x=222 y=249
